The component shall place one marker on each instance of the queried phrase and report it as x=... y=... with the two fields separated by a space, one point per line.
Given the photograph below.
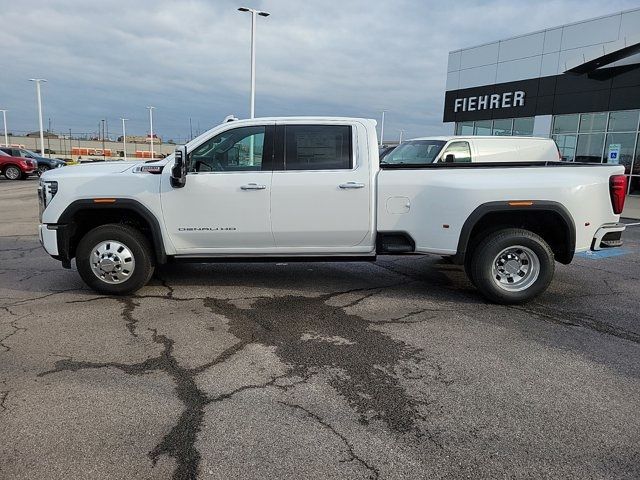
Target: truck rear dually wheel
x=114 y=259
x=512 y=266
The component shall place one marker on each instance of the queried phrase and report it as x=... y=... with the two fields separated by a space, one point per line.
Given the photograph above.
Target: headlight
x=46 y=191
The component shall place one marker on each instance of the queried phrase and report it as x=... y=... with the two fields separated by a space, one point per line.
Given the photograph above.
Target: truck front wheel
x=114 y=259
x=512 y=266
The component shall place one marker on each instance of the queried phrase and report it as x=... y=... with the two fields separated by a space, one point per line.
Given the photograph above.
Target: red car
x=16 y=168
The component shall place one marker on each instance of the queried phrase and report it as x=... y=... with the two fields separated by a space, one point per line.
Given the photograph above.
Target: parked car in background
x=16 y=168
x=44 y=163
x=473 y=150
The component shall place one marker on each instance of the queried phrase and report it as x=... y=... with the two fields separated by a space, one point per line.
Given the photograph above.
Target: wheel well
x=551 y=225
x=85 y=220
x=7 y=165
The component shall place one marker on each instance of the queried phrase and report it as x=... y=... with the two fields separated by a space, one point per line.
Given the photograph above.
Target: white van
x=474 y=150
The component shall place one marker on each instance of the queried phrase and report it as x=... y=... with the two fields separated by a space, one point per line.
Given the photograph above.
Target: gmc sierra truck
x=308 y=189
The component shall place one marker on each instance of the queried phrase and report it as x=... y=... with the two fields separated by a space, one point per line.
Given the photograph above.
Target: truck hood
x=89 y=169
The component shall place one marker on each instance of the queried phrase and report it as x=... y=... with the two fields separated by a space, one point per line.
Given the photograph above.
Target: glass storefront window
x=464 y=128
x=502 y=126
x=482 y=127
x=523 y=126
x=589 y=148
x=593 y=122
x=618 y=149
x=626 y=121
x=635 y=169
x=565 y=124
x=634 y=185
x=567 y=146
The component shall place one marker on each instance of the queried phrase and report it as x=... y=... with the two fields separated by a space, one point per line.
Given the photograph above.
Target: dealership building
x=577 y=83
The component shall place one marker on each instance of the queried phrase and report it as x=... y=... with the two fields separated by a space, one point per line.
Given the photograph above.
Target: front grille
x=40 y=202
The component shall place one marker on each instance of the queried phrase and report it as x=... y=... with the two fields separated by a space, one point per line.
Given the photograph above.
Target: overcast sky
x=112 y=58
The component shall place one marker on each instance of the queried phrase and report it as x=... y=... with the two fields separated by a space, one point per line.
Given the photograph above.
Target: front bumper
x=49 y=239
x=608 y=236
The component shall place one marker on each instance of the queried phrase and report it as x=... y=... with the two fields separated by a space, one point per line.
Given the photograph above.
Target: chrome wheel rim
x=12 y=173
x=41 y=170
x=112 y=262
x=515 y=268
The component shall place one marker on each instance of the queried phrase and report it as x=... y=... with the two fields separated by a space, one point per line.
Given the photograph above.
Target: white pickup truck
x=284 y=189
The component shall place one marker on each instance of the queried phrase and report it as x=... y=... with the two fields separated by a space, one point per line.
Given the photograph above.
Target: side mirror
x=449 y=158
x=179 y=169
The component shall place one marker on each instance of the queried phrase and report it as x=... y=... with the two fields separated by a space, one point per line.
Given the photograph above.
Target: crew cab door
x=321 y=199
x=224 y=205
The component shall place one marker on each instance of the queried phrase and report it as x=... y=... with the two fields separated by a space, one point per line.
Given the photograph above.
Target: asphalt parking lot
x=396 y=369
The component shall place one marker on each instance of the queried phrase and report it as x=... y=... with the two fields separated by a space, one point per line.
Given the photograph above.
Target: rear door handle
x=253 y=186
x=349 y=185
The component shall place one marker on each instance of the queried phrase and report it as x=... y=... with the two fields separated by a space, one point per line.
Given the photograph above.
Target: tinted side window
x=236 y=150
x=318 y=147
x=460 y=150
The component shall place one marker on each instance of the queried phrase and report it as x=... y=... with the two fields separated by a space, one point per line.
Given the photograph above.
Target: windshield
x=28 y=153
x=414 y=152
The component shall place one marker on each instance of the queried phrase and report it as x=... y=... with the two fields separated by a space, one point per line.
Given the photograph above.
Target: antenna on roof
x=230 y=118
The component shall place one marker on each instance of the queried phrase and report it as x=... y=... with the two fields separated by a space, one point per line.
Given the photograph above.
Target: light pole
x=401 y=133
x=151 y=128
x=253 y=53
x=382 y=127
x=38 y=82
x=6 y=137
x=104 y=155
x=124 y=138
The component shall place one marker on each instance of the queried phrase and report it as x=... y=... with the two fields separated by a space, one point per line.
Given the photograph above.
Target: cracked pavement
x=396 y=369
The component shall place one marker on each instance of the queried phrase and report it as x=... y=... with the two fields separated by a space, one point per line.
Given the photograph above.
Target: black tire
x=512 y=249
x=12 y=173
x=133 y=240
x=41 y=169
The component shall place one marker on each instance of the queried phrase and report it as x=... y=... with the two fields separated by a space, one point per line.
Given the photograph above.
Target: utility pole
x=124 y=138
x=151 y=128
x=4 y=118
x=382 y=127
x=104 y=157
x=38 y=81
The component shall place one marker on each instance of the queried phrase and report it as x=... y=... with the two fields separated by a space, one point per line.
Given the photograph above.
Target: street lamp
x=38 y=82
x=151 y=127
x=382 y=127
x=253 y=53
x=124 y=138
x=4 y=118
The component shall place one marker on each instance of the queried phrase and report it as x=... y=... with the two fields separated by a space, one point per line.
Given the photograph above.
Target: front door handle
x=349 y=185
x=253 y=186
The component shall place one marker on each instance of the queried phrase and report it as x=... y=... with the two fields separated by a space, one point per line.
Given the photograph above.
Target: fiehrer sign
x=489 y=102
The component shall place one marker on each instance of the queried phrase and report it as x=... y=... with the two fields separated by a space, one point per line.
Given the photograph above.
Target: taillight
x=618 y=192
